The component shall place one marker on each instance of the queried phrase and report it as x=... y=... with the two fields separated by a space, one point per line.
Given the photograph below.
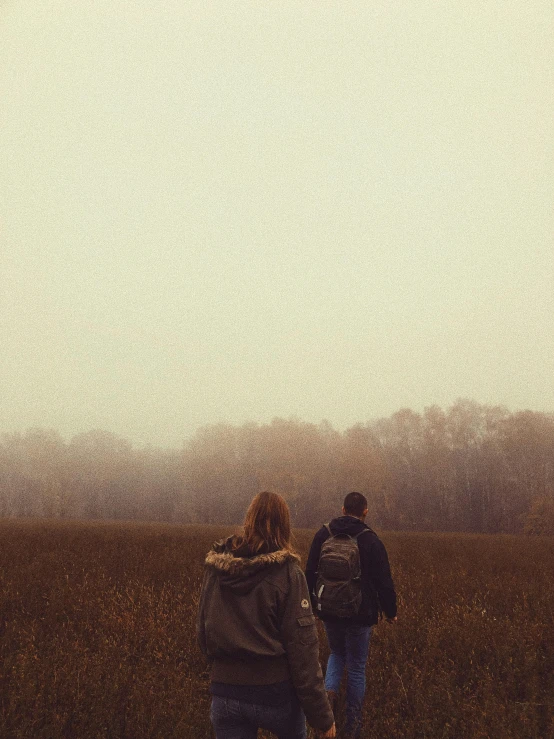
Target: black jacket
x=378 y=594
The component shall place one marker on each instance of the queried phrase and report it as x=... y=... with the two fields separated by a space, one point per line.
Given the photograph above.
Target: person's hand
x=329 y=734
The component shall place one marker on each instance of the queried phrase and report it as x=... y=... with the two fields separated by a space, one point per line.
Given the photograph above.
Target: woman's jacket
x=256 y=625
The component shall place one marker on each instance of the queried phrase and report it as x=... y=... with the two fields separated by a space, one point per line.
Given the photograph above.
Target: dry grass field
x=97 y=634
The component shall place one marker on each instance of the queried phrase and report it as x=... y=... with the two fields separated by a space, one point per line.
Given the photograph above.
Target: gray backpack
x=338 y=586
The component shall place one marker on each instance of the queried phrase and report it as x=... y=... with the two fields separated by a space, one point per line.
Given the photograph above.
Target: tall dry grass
x=97 y=634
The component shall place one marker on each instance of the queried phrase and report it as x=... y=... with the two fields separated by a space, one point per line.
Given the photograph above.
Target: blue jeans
x=349 y=645
x=233 y=719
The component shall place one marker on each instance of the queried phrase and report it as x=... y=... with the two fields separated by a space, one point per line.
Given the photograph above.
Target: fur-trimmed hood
x=242 y=573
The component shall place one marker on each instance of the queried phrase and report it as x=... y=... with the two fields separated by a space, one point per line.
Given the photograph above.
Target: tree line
x=470 y=467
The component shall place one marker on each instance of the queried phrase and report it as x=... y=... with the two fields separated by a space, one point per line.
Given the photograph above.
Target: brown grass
x=97 y=634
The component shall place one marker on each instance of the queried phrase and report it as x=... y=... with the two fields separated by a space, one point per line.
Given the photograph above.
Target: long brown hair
x=266 y=525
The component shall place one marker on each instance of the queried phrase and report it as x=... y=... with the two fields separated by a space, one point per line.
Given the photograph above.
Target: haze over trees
x=468 y=468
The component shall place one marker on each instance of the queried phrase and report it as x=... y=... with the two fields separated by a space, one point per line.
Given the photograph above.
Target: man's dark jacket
x=378 y=594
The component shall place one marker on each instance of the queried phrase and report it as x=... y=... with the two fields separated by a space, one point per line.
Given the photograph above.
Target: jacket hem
x=255 y=672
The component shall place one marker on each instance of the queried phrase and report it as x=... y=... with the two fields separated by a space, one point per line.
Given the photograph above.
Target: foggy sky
x=216 y=211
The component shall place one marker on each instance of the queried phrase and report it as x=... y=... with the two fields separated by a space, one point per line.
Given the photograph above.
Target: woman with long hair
x=258 y=632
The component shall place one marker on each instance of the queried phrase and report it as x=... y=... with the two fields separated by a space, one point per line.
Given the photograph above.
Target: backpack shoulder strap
x=363 y=531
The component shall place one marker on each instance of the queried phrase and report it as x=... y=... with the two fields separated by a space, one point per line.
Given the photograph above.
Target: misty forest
x=470 y=468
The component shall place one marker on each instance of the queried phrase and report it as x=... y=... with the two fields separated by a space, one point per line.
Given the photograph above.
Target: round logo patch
x=305 y=604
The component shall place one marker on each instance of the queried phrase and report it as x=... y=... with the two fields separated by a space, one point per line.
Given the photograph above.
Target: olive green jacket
x=256 y=626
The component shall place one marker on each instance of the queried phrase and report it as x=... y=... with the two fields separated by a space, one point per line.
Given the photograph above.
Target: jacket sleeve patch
x=306 y=620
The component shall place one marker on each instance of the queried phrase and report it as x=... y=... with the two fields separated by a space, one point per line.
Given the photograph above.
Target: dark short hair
x=355 y=504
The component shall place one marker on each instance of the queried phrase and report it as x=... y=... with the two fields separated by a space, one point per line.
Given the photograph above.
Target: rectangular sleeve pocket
x=306 y=620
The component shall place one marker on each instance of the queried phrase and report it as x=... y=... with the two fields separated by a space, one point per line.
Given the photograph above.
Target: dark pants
x=349 y=645
x=233 y=719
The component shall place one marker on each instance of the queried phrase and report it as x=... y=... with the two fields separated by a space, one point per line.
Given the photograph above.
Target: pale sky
x=229 y=211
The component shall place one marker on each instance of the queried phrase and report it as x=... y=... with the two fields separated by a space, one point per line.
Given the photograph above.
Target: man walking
x=350 y=583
